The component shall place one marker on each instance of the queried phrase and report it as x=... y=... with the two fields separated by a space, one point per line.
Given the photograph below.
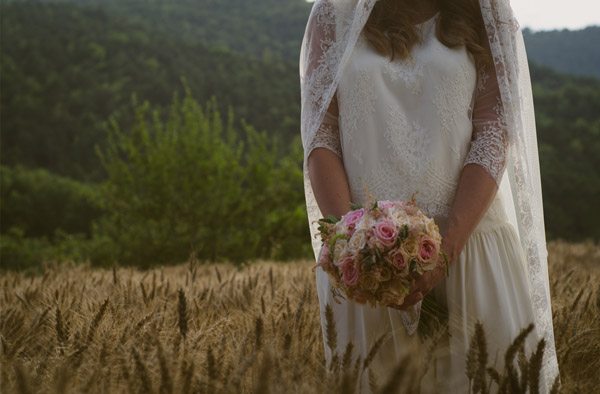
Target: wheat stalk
x=141 y=372
x=331 y=331
x=182 y=314
x=166 y=383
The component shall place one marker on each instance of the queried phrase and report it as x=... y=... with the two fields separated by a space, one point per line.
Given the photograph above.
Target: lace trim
x=510 y=61
x=488 y=149
x=327 y=136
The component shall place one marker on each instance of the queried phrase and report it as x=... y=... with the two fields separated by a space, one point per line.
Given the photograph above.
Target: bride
x=431 y=97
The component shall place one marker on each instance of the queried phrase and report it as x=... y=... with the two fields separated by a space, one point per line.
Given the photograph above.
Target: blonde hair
x=391 y=31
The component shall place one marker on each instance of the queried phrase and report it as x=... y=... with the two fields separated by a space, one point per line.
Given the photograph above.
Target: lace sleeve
x=327 y=135
x=489 y=141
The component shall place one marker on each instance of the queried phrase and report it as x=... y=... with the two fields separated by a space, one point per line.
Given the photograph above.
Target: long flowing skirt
x=487 y=283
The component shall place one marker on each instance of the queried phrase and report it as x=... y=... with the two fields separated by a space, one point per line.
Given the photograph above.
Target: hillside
x=269 y=28
x=59 y=90
x=274 y=28
x=569 y=51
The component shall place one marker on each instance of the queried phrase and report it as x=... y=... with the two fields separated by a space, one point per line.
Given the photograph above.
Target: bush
x=40 y=203
x=18 y=252
x=196 y=183
x=46 y=217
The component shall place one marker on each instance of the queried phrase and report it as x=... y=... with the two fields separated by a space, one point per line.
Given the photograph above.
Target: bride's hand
x=423 y=285
x=426 y=282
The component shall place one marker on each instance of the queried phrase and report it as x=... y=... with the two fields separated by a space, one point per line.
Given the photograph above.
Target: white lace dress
x=409 y=126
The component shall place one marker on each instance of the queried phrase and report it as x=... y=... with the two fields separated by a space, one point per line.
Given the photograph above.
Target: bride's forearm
x=474 y=194
x=329 y=182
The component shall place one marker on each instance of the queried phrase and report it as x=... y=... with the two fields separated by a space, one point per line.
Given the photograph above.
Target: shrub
x=196 y=183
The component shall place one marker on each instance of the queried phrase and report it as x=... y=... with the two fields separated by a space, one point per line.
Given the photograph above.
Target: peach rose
x=398 y=260
x=410 y=246
x=368 y=281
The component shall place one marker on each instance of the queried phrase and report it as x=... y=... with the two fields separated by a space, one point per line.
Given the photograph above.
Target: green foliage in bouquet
x=354 y=205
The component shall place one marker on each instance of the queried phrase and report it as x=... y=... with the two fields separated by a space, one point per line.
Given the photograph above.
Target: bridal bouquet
x=374 y=254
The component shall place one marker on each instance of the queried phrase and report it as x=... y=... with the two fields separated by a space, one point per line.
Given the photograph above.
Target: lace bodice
x=409 y=126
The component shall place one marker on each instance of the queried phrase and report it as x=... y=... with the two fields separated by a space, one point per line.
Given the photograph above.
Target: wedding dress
x=409 y=126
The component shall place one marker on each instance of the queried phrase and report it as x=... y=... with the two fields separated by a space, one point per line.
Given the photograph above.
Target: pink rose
x=352 y=217
x=385 y=231
x=349 y=271
x=344 y=258
x=427 y=249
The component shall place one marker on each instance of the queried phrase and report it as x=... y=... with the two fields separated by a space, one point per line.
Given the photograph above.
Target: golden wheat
x=218 y=328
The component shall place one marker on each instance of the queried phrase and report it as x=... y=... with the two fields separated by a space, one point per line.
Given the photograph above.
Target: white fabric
x=375 y=98
x=488 y=283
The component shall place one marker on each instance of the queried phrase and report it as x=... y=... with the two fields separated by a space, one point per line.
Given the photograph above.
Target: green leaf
x=412 y=267
x=354 y=206
x=404 y=232
x=330 y=219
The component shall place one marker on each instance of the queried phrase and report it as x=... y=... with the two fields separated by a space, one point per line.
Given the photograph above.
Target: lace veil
x=332 y=31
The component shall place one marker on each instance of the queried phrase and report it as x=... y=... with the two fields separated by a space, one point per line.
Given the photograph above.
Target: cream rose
x=357 y=241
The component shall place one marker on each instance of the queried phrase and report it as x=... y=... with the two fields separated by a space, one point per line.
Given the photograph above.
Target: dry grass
x=214 y=328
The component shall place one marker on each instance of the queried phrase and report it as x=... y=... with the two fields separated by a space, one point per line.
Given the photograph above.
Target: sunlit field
x=196 y=328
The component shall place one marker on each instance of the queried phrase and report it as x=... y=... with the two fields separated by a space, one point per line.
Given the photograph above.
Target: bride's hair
x=391 y=31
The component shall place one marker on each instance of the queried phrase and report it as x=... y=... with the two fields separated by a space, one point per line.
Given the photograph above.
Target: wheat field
x=217 y=328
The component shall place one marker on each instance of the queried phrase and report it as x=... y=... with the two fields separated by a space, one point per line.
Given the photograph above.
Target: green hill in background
x=569 y=51
x=260 y=28
x=274 y=28
x=66 y=69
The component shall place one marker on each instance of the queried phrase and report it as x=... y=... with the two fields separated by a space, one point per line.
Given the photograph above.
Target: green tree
x=196 y=182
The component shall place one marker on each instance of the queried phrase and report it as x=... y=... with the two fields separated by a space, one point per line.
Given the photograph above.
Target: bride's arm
x=483 y=167
x=326 y=168
x=324 y=159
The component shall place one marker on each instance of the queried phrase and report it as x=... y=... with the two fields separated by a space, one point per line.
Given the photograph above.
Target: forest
x=143 y=132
